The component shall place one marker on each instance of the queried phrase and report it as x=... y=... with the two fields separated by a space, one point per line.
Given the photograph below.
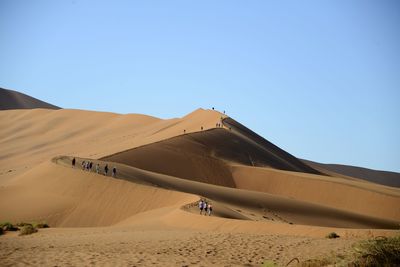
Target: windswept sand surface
x=267 y=203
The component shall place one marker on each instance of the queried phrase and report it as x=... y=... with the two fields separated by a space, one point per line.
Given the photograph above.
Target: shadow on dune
x=205 y=156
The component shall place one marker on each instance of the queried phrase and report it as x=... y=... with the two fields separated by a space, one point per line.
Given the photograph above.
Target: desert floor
x=168 y=247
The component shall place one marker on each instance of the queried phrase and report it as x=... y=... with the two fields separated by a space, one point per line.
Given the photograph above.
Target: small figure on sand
x=106 y=170
x=83 y=165
x=97 y=168
x=201 y=128
x=114 y=172
x=201 y=206
x=184 y=131
x=73 y=162
x=206 y=207
x=90 y=166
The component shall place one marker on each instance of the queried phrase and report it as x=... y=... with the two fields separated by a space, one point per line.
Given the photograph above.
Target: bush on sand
x=333 y=235
x=27 y=230
x=6 y=226
x=381 y=251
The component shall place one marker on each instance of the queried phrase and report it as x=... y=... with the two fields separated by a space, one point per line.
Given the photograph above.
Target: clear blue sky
x=321 y=79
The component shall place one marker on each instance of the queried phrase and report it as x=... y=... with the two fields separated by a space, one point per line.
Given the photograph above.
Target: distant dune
x=374 y=176
x=10 y=99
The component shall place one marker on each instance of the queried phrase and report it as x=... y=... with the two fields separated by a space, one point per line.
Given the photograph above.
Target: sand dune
x=64 y=196
x=202 y=156
x=10 y=99
x=354 y=196
x=208 y=156
x=213 y=156
x=29 y=137
x=374 y=176
x=164 y=166
x=72 y=197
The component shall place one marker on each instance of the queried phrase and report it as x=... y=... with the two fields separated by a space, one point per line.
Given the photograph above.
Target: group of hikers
x=206 y=207
x=88 y=166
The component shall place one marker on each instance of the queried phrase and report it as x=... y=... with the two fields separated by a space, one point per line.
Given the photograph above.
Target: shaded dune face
x=205 y=156
x=264 y=153
x=10 y=99
x=192 y=156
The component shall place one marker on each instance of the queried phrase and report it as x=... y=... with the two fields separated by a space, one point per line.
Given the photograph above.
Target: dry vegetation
x=381 y=251
x=23 y=227
x=27 y=230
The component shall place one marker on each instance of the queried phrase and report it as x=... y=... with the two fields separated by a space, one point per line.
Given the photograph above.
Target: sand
x=268 y=205
x=124 y=246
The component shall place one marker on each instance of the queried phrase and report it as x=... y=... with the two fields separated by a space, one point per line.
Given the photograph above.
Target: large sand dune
x=176 y=149
x=222 y=151
x=67 y=196
x=201 y=156
x=164 y=167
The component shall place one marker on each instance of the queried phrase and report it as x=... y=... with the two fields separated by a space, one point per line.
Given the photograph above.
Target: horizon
x=319 y=80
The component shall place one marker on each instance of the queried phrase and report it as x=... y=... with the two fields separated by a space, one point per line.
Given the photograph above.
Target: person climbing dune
x=106 y=170
x=201 y=206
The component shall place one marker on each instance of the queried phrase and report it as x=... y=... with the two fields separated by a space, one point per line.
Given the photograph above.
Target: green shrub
x=6 y=226
x=381 y=251
x=333 y=235
x=27 y=230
